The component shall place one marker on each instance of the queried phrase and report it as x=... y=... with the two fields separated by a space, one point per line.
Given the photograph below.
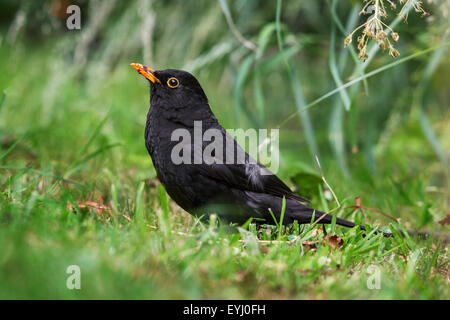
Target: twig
x=267 y=242
x=358 y=206
x=247 y=43
x=321 y=217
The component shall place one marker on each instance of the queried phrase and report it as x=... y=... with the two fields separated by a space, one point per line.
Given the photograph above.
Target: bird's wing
x=248 y=176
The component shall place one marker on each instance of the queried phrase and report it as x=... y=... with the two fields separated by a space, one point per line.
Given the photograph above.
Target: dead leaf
x=358 y=202
x=99 y=207
x=317 y=232
x=333 y=241
x=446 y=220
x=310 y=245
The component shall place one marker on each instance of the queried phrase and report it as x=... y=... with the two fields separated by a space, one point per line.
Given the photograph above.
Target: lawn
x=77 y=186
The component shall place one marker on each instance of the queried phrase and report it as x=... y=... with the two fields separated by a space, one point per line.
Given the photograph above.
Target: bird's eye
x=173 y=82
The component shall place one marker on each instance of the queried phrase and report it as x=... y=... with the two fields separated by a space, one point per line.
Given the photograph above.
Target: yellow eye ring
x=173 y=82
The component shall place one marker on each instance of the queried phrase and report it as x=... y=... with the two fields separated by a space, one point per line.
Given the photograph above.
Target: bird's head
x=176 y=88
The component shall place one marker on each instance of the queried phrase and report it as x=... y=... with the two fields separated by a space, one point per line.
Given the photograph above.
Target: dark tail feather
x=325 y=218
x=304 y=216
x=342 y=222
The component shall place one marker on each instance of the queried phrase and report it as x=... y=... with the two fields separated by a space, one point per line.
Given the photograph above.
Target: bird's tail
x=325 y=218
x=304 y=214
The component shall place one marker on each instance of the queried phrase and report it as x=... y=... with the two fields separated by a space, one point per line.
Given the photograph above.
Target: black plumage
x=235 y=192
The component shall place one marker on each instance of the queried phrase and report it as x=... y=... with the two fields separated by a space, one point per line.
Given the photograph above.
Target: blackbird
x=235 y=191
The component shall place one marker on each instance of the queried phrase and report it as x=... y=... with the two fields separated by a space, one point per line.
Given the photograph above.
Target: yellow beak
x=146 y=72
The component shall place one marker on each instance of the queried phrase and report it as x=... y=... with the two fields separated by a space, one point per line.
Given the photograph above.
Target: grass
x=69 y=135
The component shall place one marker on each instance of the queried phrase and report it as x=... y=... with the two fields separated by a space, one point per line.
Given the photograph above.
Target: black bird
x=236 y=191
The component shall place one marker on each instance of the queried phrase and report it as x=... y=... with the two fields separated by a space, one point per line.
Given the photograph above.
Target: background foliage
x=72 y=118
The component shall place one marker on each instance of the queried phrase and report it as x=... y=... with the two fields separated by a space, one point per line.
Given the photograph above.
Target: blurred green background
x=72 y=117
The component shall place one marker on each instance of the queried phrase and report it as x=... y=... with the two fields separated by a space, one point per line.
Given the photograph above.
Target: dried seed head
x=363 y=54
x=393 y=52
x=392 y=4
x=348 y=40
x=361 y=42
x=375 y=28
x=394 y=36
x=369 y=33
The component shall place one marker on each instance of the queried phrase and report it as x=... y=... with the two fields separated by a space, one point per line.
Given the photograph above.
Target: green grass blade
x=283 y=210
x=304 y=116
x=164 y=218
x=335 y=72
x=11 y=148
x=419 y=99
x=432 y=261
x=90 y=140
x=296 y=89
x=2 y=99
x=239 y=84
x=139 y=210
x=258 y=95
x=273 y=217
x=90 y=156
